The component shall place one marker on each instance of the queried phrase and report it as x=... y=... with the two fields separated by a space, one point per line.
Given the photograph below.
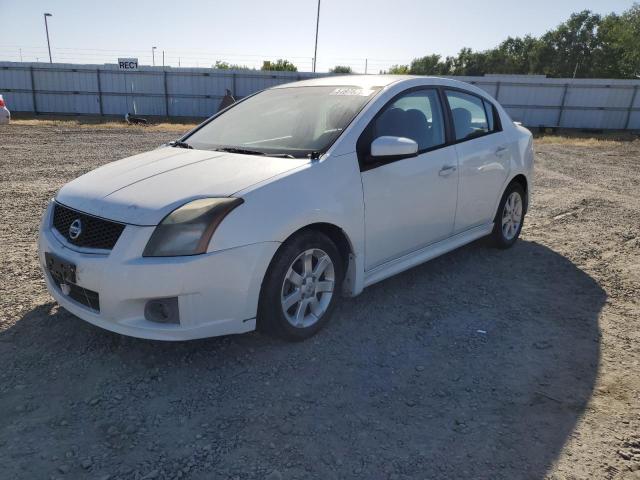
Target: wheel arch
x=345 y=247
x=337 y=235
x=520 y=179
x=524 y=183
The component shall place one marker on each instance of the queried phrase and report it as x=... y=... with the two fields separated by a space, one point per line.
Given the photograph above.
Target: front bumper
x=217 y=292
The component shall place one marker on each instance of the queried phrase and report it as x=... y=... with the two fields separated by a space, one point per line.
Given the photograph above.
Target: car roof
x=377 y=81
x=362 y=81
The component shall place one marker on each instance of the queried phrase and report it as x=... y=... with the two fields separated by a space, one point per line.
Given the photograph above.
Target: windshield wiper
x=280 y=155
x=179 y=144
x=245 y=151
x=242 y=151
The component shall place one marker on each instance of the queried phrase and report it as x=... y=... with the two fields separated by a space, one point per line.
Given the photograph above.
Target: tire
x=300 y=273
x=505 y=234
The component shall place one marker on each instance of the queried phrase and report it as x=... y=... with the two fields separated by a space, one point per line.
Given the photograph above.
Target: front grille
x=95 y=232
x=83 y=296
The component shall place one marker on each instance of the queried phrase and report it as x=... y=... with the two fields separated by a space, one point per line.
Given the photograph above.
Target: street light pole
x=46 y=27
x=315 y=51
x=153 y=55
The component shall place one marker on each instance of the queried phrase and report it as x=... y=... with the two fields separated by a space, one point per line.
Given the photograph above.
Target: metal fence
x=534 y=100
x=56 y=88
x=585 y=103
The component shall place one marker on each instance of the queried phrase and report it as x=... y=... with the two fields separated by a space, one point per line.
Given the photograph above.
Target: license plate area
x=63 y=275
x=61 y=270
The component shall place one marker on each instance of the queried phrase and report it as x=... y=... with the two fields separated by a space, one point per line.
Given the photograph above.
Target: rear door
x=483 y=157
x=409 y=202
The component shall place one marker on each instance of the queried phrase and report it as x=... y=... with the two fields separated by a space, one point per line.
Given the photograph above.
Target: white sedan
x=268 y=212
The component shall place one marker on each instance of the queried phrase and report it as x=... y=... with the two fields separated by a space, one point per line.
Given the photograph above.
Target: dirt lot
x=481 y=364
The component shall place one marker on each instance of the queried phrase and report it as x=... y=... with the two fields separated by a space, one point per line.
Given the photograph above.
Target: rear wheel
x=301 y=286
x=508 y=221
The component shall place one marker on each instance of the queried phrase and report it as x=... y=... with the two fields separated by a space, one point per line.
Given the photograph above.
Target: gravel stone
x=274 y=475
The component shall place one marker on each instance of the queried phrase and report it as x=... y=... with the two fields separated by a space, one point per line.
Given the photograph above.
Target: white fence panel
x=57 y=88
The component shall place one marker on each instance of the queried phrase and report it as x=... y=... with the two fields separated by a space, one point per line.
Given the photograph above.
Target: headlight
x=188 y=229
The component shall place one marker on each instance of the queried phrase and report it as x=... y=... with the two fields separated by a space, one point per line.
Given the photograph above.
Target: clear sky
x=198 y=32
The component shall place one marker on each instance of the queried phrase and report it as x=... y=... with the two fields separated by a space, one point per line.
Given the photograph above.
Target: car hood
x=143 y=189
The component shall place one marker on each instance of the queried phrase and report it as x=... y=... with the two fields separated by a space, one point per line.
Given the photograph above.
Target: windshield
x=295 y=121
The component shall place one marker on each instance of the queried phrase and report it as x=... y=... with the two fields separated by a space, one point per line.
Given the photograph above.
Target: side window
x=491 y=115
x=469 y=115
x=416 y=115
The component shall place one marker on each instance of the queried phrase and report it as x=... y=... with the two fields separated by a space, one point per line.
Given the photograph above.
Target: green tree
x=280 y=65
x=568 y=49
x=628 y=41
x=469 y=62
x=586 y=45
x=221 y=65
x=619 y=47
x=341 y=69
x=398 y=70
x=512 y=56
x=430 y=65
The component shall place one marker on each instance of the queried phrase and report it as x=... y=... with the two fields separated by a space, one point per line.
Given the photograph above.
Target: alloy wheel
x=512 y=216
x=307 y=288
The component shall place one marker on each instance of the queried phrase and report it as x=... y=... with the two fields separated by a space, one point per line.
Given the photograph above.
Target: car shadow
x=477 y=364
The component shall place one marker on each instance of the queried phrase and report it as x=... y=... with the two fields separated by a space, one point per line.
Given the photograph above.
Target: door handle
x=447 y=170
x=501 y=151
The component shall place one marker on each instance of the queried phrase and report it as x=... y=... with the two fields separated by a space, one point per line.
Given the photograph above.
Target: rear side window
x=491 y=115
x=416 y=115
x=472 y=116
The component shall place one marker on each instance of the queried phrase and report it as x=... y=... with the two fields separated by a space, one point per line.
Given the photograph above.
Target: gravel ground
x=480 y=364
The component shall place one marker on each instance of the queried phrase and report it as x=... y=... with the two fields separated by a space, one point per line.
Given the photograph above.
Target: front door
x=409 y=203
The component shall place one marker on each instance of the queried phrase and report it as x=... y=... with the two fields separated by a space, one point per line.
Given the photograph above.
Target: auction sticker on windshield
x=352 y=91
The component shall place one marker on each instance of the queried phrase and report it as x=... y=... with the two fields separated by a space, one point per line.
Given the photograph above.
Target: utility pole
x=366 y=61
x=46 y=27
x=20 y=55
x=315 y=51
x=162 y=58
x=153 y=55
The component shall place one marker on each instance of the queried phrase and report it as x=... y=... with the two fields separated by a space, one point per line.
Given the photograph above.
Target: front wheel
x=301 y=287
x=509 y=218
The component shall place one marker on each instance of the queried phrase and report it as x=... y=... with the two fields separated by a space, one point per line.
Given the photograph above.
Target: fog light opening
x=162 y=310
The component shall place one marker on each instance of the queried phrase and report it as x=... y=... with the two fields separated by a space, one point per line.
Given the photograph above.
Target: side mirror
x=393 y=147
